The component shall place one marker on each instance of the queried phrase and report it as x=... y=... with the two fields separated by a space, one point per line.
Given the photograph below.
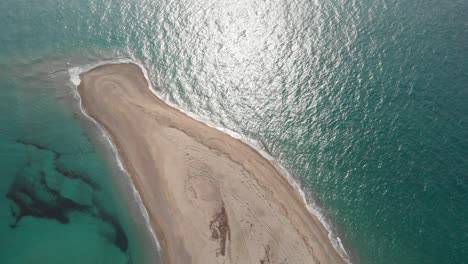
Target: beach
x=211 y=198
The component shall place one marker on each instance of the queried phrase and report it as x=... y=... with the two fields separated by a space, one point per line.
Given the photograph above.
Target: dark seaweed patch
x=67 y=173
x=74 y=175
x=38 y=146
x=120 y=240
x=31 y=196
x=27 y=198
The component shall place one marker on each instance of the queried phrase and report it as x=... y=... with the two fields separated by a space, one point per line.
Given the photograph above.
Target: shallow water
x=364 y=102
x=59 y=203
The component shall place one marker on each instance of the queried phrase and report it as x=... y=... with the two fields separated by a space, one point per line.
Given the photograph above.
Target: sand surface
x=211 y=198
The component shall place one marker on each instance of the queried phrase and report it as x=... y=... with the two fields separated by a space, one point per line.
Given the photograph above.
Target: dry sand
x=211 y=198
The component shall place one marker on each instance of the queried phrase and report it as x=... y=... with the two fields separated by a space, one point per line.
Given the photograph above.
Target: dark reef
x=74 y=175
x=120 y=240
x=32 y=195
x=30 y=203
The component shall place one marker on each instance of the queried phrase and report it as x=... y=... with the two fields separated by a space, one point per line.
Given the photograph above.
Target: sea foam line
x=75 y=79
x=313 y=209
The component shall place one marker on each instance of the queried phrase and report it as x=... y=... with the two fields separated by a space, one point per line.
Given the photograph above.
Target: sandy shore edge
x=139 y=182
x=75 y=79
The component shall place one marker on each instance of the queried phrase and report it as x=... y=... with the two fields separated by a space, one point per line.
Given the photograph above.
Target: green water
x=58 y=202
x=364 y=102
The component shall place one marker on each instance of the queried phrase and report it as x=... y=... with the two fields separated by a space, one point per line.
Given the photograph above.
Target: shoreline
x=74 y=74
x=285 y=180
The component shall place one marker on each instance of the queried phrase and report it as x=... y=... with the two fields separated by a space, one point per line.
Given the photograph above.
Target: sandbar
x=211 y=198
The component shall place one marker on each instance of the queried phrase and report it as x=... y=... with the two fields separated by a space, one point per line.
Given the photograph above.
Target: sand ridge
x=211 y=198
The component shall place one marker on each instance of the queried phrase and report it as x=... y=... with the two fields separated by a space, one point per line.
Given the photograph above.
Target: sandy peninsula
x=211 y=198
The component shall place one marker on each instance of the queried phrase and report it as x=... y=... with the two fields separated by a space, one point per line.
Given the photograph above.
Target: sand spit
x=211 y=198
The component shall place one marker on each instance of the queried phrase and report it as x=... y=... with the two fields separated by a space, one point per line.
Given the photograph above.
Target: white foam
x=313 y=209
x=75 y=75
x=75 y=79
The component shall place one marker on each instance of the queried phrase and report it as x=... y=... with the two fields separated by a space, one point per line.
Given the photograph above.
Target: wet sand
x=211 y=198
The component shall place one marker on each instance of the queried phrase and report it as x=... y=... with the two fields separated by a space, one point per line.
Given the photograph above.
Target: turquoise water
x=58 y=202
x=364 y=102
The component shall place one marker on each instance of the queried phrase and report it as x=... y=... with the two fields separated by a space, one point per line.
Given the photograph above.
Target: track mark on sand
x=266 y=259
x=219 y=227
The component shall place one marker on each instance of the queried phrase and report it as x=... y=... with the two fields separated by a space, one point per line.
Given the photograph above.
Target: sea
x=363 y=103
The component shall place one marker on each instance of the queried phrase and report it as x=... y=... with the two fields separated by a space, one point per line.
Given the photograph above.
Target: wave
x=313 y=209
